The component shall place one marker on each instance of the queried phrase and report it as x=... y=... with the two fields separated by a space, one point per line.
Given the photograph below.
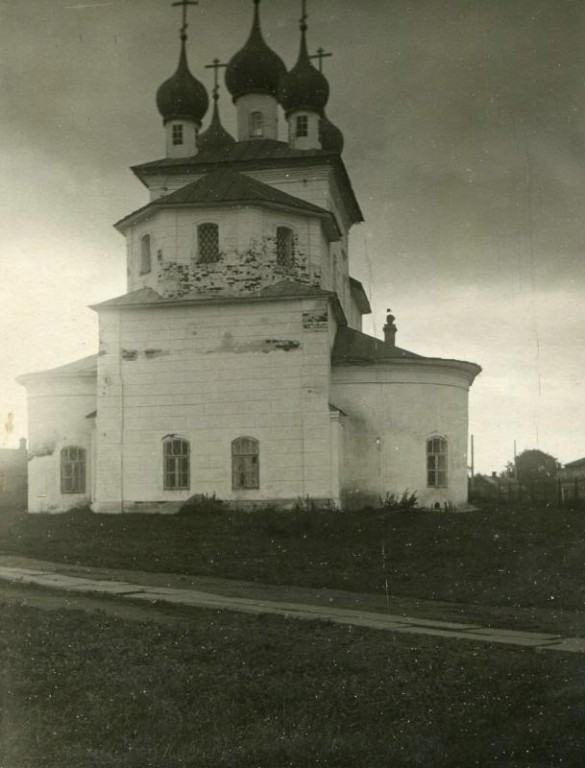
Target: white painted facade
x=246 y=346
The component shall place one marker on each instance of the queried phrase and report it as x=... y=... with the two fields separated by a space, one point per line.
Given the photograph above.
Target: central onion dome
x=256 y=68
x=182 y=96
x=304 y=87
x=216 y=136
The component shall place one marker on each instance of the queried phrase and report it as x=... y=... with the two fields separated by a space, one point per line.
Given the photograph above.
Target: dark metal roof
x=255 y=154
x=353 y=346
x=283 y=289
x=87 y=366
x=226 y=187
x=360 y=297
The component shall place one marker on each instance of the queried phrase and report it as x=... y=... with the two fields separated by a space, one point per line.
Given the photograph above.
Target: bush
x=201 y=504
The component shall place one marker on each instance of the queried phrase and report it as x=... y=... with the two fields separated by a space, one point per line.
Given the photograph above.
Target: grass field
x=92 y=691
x=507 y=557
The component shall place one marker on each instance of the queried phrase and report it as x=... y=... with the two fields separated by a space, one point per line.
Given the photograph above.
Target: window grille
x=245 y=463
x=302 y=128
x=437 y=462
x=284 y=246
x=256 y=125
x=73 y=470
x=145 y=258
x=177 y=135
x=177 y=474
x=208 y=243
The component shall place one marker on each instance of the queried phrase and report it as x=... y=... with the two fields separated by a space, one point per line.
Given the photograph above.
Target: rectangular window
x=245 y=464
x=73 y=470
x=177 y=135
x=302 y=128
x=145 y=256
x=437 y=462
x=177 y=474
x=284 y=246
x=208 y=243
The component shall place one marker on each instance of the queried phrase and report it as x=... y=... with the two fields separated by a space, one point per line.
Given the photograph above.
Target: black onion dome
x=304 y=87
x=256 y=68
x=216 y=136
x=182 y=96
x=331 y=137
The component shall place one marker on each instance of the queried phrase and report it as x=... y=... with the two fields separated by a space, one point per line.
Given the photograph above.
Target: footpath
x=245 y=597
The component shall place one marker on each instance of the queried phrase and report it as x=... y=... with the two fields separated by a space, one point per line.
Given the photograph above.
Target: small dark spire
x=216 y=136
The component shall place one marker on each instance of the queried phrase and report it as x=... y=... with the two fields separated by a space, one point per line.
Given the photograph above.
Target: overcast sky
x=464 y=127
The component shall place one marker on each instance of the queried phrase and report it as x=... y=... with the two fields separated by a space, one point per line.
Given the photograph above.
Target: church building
x=235 y=364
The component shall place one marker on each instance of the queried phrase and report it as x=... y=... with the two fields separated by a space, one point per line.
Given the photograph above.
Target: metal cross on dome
x=185 y=4
x=217 y=65
x=320 y=55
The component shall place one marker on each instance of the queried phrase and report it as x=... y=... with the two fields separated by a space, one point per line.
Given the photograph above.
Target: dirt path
x=72 y=590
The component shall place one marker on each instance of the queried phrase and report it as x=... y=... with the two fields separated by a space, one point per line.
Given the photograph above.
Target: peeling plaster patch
x=129 y=354
x=315 y=320
x=260 y=345
x=150 y=354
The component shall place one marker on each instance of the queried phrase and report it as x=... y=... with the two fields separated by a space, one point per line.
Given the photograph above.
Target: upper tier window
x=256 y=125
x=207 y=243
x=302 y=128
x=285 y=248
x=145 y=258
x=177 y=135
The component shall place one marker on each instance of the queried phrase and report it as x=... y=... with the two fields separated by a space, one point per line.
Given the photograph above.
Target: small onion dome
x=255 y=68
x=182 y=96
x=304 y=87
x=331 y=137
x=216 y=136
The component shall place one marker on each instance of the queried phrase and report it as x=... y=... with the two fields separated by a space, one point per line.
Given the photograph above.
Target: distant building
x=236 y=364
x=13 y=478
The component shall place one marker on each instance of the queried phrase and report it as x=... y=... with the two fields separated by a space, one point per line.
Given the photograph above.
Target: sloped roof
x=255 y=154
x=282 y=289
x=87 y=366
x=225 y=186
x=360 y=297
x=353 y=346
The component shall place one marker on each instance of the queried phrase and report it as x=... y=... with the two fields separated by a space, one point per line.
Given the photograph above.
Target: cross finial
x=216 y=66
x=185 y=4
x=320 y=55
x=304 y=16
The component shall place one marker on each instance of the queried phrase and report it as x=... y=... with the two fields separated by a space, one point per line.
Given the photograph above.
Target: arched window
x=302 y=126
x=177 y=134
x=176 y=456
x=285 y=247
x=256 y=125
x=145 y=259
x=73 y=470
x=207 y=243
x=245 y=463
x=437 y=462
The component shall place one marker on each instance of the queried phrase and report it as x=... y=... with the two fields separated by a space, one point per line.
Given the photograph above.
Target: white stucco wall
x=211 y=374
x=392 y=410
x=57 y=413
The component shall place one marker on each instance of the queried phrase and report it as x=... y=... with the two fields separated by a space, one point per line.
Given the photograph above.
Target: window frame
x=256 y=125
x=145 y=254
x=302 y=126
x=245 y=452
x=437 y=461
x=210 y=258
x=178 y=135
x=285 y=252
x=73 y=470
x=176 y=464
